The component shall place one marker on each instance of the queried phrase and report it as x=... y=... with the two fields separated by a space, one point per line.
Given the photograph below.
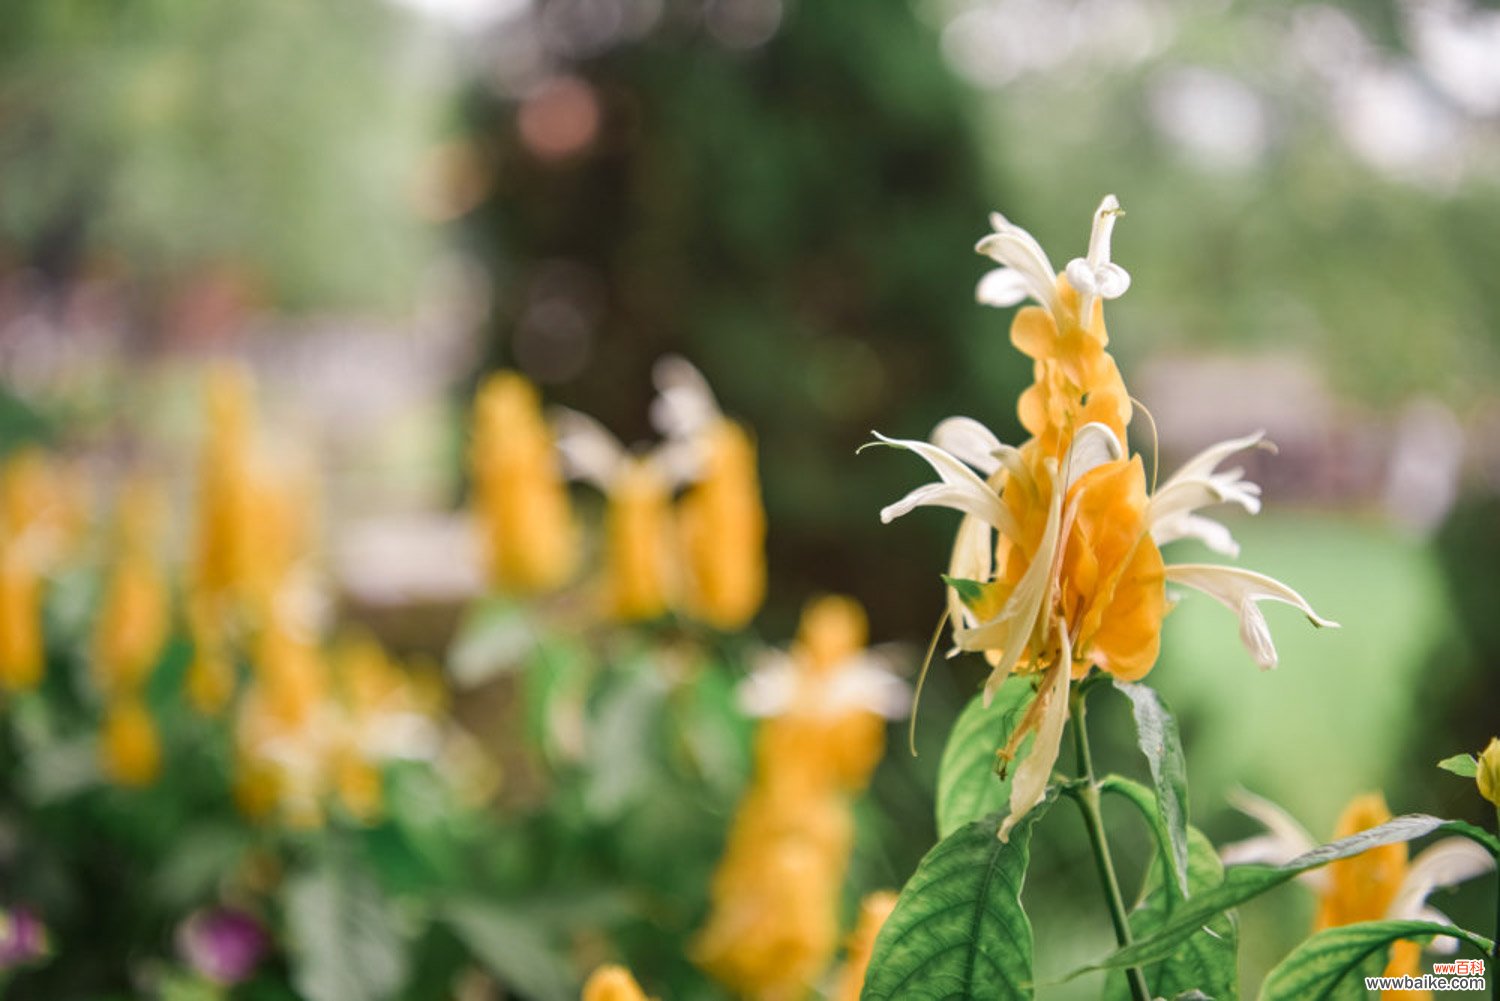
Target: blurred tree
x=789 y=198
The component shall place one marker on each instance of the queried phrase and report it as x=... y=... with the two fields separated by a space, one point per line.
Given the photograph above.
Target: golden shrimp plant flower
x=1382 y=884
x=722 y=521
x=1057 y=567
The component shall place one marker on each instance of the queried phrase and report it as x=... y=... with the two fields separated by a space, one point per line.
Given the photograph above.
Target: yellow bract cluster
x=703 y=555
x=132 y=628
x=774 y=924
x=1111 y=578
x=40 y=518
x=1362 y=888
x=530 y=540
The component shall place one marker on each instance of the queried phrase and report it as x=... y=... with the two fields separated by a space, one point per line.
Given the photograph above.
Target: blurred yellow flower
x=129 y=748
x=723 y=523
x=22 y=658
x=1058 y=551
x=519 y=493
x=210 y=678
x=226 y=533
x=1488 y=776
x=640 y=579
x=1381 y=884
x=612 y=983
x=774 y=924
x=134 y=618
x=873 y=911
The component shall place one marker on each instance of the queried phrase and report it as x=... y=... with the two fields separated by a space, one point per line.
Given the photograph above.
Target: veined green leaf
x=1156 y=734
x=1332 y=965
x=511 y=945
x=958 y=932
x=347 y=944
x=968 y=786
x=1207 y=960
x=1243 y=882
x=1461 y=764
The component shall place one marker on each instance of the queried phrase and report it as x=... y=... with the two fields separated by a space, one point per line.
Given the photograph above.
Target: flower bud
x=1489 y=772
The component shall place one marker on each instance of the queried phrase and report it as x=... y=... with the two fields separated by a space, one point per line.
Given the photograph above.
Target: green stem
x=1086 y=795
x=1494 y=969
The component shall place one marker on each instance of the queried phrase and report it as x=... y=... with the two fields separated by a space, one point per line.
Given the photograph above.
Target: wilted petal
x=1035 y=770
x=1240 y=591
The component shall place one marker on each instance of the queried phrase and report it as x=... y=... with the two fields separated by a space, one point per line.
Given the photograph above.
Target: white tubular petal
x=1034 y=771
x=1290 y=837
x=970 y=441
x=960 y=489
x=1446 y=863
x=684 y=404
x=865 y=683
x=1002 y=287
x=1443 y=945
x=1205 y=462
x=1111 y=281
x=589 y=452
x=1105 y=217
x=677 y=461
x=1093 y=446
x=1263 y=848
x=769 y=689
x=973 y=559
x=1212 y=534
x=1015 y=248
x=1239 y=591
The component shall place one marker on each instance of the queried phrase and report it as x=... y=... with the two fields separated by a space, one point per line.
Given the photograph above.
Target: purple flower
x=222 y=944
x=23 y=939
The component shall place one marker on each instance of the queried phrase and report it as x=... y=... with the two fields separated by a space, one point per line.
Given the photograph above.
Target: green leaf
x=494 y=639
x=1156 y=733
x=1243 y=882
x=958 y=931
x=513 y=948
x=1207 y=960
x=970 y=592
x=1332 y=965
x=1461 y=764
x=1479 y=835
x=968 y=786
x=344 y=942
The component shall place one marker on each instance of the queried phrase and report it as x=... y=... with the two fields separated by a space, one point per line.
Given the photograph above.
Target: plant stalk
x=1087 y=798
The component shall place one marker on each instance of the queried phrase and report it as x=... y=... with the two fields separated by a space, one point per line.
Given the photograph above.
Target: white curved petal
x=1199 y=483
x=961 y=488
x=1239 y=591
x=973 y=559
x=1018 y=250
x=1445 y=863
x=1111 y=281
x=1002 y=287
x=684 y=404
x=970 y=441
x=1105 y=217
x=1093 y=446
x=1290 y=838
x=1205 y=462
x=1215 y=535
x=1035 y=770
x=589 y=451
